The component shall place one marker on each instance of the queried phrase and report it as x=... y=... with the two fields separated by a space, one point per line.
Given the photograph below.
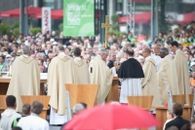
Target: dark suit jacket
x=179 y=122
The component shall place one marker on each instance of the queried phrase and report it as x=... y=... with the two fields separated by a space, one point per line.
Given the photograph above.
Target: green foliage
x=35 y=30
x=15 y=31
x=4 y=28
x=9 y=29
x=60 y=27
x=115 y=26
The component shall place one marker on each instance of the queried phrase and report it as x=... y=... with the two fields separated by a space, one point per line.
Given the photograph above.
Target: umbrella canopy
x=35 y=12
x=10 y=13
x=141 y=17
x=112 y=117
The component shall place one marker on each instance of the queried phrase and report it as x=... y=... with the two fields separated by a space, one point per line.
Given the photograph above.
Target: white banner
x=46 y=20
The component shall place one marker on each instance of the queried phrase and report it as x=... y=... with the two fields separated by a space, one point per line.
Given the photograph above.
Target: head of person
x=36 y=107
x=112 y=56
x=174 y=45
x=164 y=52
x=61 y=48
x=103 y=53
x=16 y=128
x=78 y=108
x=26 y=50
x=177 y=110
x=77 y=52
x=146 y=52
x=156 y=48
x=193 y=124
x=11 y=101
x=128 y=52
x=84 y=105
x=26 y=109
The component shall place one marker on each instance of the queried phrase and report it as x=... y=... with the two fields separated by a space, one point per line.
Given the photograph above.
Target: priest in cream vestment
x=59 y=73
x=181 y=65
x=101 y=75
x=25 y=78
x=167 y=76
x=80 y=68
x=149 y=82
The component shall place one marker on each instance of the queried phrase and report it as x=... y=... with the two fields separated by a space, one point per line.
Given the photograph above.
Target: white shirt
x=157 y=59
x=33 y=122
x=7 y=118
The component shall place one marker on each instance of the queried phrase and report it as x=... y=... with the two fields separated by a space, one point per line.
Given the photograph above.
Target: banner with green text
x=78 y=18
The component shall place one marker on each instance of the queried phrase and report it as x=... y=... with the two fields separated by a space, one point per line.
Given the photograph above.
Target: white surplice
x=57 y=119
x=130 y=87
x=33 y=122
x=157 y=59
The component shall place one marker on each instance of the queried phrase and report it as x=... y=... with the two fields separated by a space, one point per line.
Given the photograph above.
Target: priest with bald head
x=101 y=75
x=166 y=75
x=25 y=78
x=149 y=82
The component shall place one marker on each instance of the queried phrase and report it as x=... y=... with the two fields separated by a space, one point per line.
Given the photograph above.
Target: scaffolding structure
x=131 y=16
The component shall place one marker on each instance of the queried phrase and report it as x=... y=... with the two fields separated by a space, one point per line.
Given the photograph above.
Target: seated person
x=10 y=114
x=33 y=121
x=25 y=112
x=78 y=108
x=75 y=110
x=178 y=121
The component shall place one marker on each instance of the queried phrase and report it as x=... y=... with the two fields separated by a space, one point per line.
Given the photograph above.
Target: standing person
x=33 y=121
x=25 y=78
x=149 y=82
x=166 y=76
x=59 y=73
x=101 y=75
x=130 y=74
x=80 y=71
x=10 y=114
x=156 y=55
x=181 y=64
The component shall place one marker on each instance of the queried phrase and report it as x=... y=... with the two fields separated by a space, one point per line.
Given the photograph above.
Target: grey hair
x=36 y=107
x=103 y=51
x=164 y=52
x=26 y=50
x=61 y=48
x=77 y=108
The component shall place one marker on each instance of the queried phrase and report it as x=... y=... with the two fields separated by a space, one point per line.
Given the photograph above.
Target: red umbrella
x=10 y=13
x=111 y=117
x=57 y=14
x=141 y=17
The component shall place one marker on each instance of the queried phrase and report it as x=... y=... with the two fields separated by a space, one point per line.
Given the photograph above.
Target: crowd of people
x=165 y=65
x=44 y=47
